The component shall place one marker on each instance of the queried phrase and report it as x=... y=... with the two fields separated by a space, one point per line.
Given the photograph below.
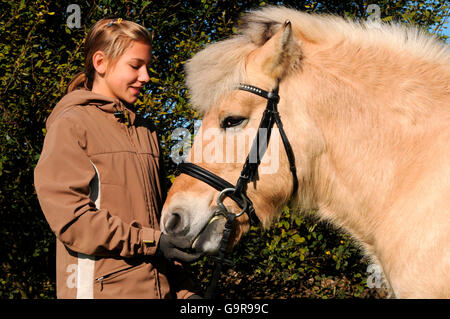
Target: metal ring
x=228 y=190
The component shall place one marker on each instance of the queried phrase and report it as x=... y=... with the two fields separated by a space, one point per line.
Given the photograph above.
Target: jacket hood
x=83 y=97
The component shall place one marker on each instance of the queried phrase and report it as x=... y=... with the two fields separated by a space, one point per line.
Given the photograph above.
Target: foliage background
x=38 y=56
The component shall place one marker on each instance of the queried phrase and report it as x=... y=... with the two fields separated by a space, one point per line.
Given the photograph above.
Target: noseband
x=248 y=174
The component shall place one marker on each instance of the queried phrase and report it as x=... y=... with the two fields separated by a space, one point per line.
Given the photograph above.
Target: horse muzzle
x=202 y=236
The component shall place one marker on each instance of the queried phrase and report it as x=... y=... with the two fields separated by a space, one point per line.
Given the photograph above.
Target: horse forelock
x=220 y=67
x=216 y=70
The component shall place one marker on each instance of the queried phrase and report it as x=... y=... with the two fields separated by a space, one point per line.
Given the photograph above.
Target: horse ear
x=281 y=53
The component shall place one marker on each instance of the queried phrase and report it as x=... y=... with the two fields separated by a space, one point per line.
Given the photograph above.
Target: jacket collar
x=107 y=104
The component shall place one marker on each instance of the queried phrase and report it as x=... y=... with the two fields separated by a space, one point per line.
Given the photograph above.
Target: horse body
x=366 y=112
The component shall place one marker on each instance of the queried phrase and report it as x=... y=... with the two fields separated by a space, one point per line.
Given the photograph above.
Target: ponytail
x=79 y=81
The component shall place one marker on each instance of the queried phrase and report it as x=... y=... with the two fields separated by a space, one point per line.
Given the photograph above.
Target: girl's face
x=125 y=78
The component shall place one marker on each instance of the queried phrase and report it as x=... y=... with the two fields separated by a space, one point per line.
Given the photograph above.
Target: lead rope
x=220 y=260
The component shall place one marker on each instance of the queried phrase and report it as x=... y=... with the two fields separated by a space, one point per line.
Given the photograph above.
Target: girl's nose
x=143 y=76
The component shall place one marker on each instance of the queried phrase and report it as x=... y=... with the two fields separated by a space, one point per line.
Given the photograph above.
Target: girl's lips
x=135 y=90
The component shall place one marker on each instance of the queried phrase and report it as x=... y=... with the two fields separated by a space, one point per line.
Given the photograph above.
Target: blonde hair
x=113 y=37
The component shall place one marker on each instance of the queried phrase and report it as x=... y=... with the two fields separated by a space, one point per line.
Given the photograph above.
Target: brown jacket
x=99 y=185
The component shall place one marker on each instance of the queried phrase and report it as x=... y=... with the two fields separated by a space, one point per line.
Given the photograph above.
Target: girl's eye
x=135 y=67
x=232 y=121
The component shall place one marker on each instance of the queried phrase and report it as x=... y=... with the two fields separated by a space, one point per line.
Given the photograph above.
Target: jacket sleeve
x=62 y=178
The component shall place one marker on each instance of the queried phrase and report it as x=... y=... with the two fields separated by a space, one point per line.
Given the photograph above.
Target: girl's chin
x=130 y=98
x=133 y=96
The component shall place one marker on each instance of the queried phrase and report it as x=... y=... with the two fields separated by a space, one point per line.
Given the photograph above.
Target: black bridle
x=248 y=174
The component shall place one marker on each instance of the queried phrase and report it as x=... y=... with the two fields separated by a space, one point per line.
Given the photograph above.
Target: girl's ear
x=100 y=62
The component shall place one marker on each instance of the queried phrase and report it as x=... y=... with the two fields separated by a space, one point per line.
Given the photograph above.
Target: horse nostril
x=172 y=222
x=174 y=225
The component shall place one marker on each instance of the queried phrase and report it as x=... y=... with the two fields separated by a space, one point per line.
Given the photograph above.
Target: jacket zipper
x=147 y=201
x=141 y=165
x=102 y=278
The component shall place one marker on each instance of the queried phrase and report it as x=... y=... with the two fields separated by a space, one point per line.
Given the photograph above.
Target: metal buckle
x=222 y=206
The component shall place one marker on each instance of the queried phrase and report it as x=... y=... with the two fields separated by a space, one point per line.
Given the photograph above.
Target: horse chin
x=208 y=241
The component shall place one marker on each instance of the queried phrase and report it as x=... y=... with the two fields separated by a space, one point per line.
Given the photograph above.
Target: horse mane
x=220 y=67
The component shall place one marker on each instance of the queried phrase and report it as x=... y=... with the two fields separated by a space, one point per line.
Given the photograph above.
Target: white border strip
x=86 y=263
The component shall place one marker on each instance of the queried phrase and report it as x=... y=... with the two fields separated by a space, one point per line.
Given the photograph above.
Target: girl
x=99 y=179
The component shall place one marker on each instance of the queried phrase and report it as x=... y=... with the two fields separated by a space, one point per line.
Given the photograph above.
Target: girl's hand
x=172 y=248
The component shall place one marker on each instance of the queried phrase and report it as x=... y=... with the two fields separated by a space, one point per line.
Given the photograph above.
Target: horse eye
x=232 y=121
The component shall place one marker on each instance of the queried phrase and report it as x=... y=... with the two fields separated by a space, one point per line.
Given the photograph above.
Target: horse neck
x=358 y=135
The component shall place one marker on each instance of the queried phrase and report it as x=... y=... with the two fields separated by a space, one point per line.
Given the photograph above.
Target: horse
x=365 y=108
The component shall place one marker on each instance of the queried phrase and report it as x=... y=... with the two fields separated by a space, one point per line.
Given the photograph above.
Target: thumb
x=184 y=256
x=179 y=242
